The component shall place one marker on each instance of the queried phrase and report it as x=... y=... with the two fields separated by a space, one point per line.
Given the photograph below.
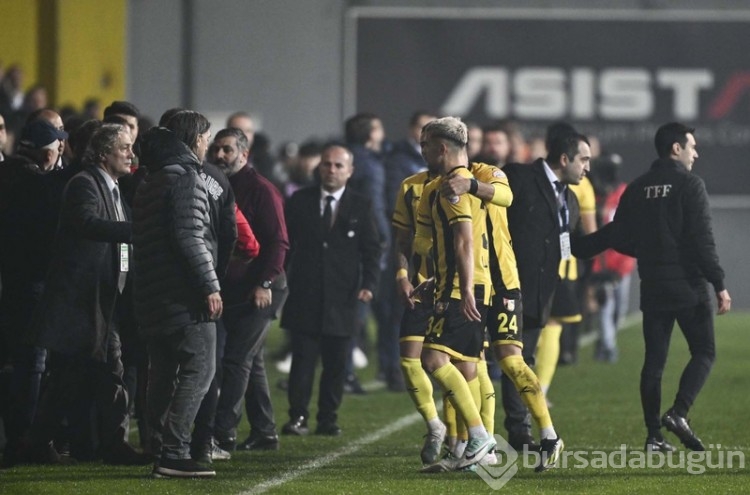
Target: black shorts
x=505 y=320
x=450 y=332
x=415 y=322
x=566 y=304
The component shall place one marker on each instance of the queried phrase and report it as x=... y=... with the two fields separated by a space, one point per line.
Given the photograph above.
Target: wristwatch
x=266 y=284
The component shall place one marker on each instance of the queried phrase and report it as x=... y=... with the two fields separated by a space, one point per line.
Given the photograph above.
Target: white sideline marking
x=320 y=462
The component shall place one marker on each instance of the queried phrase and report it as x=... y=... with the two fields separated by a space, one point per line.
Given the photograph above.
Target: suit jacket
x=534 y=226
x=75 y=314
x=326 y=270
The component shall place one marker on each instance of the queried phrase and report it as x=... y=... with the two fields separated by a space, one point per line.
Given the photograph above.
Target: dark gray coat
x=75 y=314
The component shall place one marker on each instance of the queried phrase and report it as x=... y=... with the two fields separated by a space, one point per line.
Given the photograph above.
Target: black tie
x=562 y=204
x=327 y=214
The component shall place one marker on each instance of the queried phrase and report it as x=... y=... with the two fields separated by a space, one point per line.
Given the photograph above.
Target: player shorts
x=566 y=303
x=450 y=332
x=415 y=322
x=505 y=320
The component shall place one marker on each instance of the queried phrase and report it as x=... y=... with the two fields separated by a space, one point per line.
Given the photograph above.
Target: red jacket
x=247 y=245
x=610 y=260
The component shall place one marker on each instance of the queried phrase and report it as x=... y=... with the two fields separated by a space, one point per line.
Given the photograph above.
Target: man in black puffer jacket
x=176 y=287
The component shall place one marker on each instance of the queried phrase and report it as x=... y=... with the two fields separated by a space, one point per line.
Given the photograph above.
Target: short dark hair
x=565 y=143
x=358 y=128
x=556 y=129
x=115 y=119
x=168 y=115
x=187 y=125
x=242 y=142
x=668 y=134
x=122 y=108
x=80 y=137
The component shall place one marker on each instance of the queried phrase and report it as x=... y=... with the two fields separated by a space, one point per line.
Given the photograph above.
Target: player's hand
x=262 y=297
x=405 y=291
x=215 y=305
x=364 y=295
x=469 y=309
x=724 y=302
x=454 y=185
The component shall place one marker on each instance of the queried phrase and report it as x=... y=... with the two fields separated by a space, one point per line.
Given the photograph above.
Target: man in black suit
x=333 y=263
x=75 y=320
x=542 y=218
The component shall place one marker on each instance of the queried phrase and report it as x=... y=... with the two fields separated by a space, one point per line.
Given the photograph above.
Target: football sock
x=487 y=409
x=449 y=418
x=419 y=387
x=547 y=354
x=528 y=388
x=458 y=392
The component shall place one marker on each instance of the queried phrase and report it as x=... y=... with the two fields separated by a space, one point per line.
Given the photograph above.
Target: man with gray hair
x=76 y=319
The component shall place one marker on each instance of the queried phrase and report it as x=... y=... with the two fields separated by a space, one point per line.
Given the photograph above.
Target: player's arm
x=403 y=241
x=463 y=245
x=497 y=193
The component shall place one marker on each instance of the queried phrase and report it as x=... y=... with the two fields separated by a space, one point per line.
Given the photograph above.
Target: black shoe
x=123 y=454
x=658 y=444
x=330 y=429
x=680 y=427
x=226 y=443
x=523 y=442
x=181 y=468
x=551 y=449
x=296 y=427
x=260 y=442
x=352 y=386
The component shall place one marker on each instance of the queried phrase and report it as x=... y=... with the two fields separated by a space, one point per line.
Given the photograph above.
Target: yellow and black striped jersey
x=503 y=268
x=405 y=217
x=436 y=216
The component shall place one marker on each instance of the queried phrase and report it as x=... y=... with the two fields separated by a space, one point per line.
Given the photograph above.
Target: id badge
x=565 y=245
x=124 y=257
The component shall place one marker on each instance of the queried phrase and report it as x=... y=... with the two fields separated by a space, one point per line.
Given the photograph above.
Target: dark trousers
x=243 y=365
x=517 y=416
x=697 y=325
x=182 y=367
x=72 y=384
x=333 y=352
x=206 y=417
x=23 y=392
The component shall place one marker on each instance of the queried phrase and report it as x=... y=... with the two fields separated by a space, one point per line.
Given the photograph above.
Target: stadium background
x=302 y=66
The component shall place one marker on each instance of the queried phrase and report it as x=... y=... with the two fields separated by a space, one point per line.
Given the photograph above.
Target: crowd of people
x=142 y=266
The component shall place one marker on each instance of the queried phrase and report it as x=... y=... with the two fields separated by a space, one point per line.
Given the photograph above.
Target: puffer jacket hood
x=160 y=147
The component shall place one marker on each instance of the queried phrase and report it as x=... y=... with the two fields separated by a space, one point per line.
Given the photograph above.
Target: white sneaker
x=433 y=444
x=359 y=358
x=489 y=459
x=476 y=449
x=219 y=454
x=285 y=365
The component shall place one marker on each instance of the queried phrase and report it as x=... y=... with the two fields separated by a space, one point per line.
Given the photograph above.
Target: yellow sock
x=449 y=418
x=487 y=410
x=419 y=387
x=547 y=354
x=528 y=387
x=457 y=390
